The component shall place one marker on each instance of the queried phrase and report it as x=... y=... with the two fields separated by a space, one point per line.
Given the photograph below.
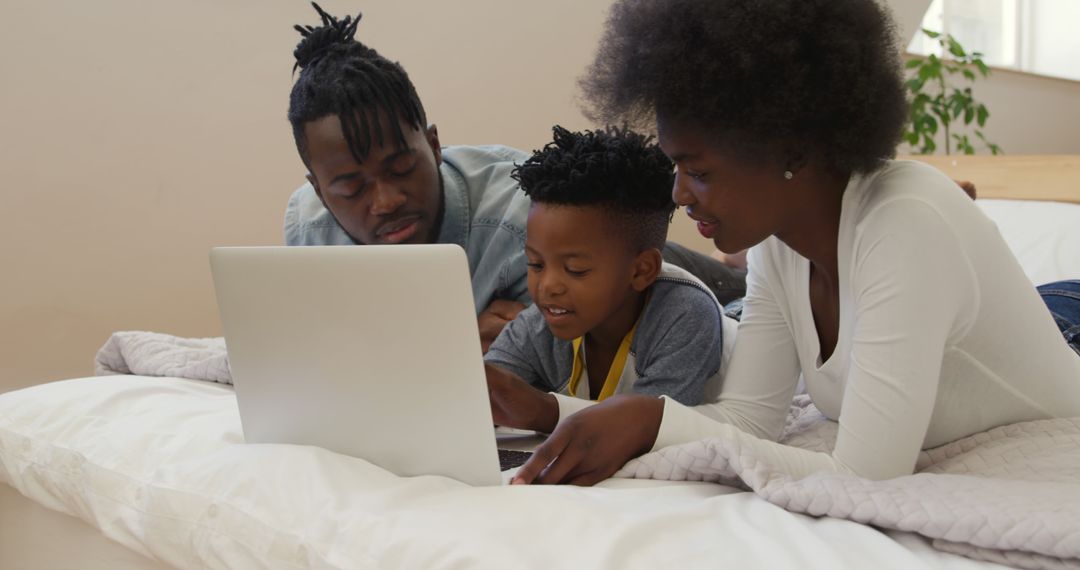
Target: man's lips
x=398 y=230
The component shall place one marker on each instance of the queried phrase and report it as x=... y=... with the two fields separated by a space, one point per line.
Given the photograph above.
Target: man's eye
x=403 y=172
x=403 y=166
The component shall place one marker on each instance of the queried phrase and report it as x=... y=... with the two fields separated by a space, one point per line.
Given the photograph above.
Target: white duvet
x=157 y=464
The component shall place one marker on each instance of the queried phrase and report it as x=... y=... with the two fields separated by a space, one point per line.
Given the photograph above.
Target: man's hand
x=967 y=186
x=594 y=443
x=516 y=404
x=492 y=320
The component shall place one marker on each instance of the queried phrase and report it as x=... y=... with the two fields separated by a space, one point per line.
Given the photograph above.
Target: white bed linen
x=1044 y=236
x=156 y=464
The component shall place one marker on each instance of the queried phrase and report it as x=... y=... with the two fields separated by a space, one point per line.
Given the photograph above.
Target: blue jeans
x=1063 y=300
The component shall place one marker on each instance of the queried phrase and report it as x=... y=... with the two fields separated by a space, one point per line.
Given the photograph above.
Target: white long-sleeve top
x=941 y=336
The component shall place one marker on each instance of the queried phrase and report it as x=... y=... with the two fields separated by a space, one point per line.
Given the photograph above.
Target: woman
x=877 y=281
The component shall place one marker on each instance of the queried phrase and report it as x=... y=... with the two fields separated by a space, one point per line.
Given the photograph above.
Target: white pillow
x=1044 y=236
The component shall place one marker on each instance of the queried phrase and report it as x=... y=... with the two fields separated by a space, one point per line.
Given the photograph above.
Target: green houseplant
x=941 y=101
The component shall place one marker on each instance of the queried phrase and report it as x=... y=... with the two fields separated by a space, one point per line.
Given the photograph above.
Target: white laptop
x=368 y=351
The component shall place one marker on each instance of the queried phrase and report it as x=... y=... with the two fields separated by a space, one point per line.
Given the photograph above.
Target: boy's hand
x=516 y=404
x=492 y=320
x=594 y=443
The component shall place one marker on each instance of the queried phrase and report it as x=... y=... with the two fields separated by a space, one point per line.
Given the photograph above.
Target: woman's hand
x=594 y=443
x=516 y=404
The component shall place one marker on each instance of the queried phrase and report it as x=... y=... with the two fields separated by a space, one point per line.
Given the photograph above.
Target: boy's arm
x=521 y=368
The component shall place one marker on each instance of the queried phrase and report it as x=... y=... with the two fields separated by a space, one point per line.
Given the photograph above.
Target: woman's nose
x=679 y=193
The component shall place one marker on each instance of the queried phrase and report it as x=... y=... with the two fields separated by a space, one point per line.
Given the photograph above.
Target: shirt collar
x=455 y=221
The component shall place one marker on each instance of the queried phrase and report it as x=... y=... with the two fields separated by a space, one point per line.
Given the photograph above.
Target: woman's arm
x=595 y=442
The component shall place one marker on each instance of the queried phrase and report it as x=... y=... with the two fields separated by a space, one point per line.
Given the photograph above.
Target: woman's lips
x=707 y=229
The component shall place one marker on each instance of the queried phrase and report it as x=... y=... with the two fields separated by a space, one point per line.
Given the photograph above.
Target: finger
x=541 y=458
x=587 y=479
x=568 y=462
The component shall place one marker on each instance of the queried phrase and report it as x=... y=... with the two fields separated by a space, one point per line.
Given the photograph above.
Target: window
x=1036 y=36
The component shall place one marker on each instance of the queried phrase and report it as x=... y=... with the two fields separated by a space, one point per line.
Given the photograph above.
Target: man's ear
x=432 y=136
x=318 y=191
x=646 y=269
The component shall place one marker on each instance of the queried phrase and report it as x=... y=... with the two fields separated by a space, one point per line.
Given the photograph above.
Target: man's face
x=581 y=273
x=393 y=196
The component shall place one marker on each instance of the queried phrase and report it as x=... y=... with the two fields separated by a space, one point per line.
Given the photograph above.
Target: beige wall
x=135 y=135
x=138 y=134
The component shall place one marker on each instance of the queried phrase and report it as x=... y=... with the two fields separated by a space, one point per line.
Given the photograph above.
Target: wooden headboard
x=1050 y=177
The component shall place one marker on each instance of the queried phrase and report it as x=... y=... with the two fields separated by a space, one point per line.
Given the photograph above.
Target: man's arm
x=494 y=318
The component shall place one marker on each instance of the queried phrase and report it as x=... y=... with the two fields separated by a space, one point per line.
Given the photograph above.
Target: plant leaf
x=931 y=34
x=955 y=48
x=913 y=63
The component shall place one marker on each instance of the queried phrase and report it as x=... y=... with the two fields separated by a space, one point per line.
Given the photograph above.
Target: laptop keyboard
x=509 y=459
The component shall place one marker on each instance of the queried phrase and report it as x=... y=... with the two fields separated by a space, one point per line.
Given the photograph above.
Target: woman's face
x=737 y=203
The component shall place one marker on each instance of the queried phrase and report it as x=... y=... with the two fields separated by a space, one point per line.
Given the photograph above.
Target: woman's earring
x=788 y=175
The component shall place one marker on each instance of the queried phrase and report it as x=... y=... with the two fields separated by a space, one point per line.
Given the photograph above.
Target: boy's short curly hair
x=765 y=77
x=621 y=171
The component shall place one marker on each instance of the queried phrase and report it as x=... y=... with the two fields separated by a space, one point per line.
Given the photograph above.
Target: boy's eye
x=535 y=266
x=577 y=272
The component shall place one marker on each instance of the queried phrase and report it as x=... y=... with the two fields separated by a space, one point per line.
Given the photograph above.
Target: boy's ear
x=318 y=191
x=646 y=269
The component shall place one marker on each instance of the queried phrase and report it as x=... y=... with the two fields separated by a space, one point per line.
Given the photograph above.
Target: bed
x=149 y=472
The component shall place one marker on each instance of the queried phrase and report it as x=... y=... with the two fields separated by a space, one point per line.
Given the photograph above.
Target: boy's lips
x=556 y=314
x=398 y=230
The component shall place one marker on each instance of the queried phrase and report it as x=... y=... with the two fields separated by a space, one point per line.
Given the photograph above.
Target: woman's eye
x=695 y=175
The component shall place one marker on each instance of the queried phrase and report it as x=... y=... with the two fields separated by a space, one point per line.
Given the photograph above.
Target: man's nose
x=387 y=198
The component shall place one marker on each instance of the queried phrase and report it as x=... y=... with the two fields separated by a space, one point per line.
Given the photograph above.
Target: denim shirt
x=484 y=212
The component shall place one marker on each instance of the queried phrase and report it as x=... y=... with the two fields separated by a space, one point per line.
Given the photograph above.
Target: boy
x=609 y=316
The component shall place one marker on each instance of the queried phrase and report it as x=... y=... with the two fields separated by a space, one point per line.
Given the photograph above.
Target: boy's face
x=393 y=196
x=582 y=274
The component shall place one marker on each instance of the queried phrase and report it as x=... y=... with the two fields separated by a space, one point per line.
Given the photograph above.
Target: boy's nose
x=551 y=285
x=386 y=199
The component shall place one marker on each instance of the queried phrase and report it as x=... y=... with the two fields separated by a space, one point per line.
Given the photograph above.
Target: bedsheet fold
x=1010 y=495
